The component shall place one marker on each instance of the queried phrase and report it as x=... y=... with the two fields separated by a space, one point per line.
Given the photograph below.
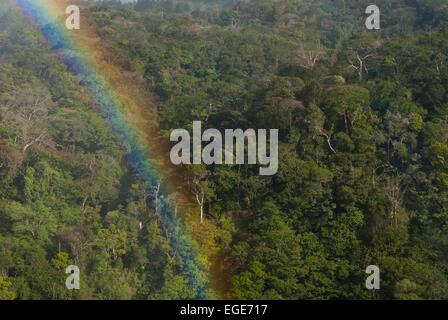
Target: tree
x=27 y=111
x=200 y=186
x=347 y=102
x=307 y=58
x=361 y=49
x=6 y=292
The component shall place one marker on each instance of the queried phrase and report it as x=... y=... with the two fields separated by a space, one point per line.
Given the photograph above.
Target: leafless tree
x=78 y=238
x=175 y=200
x=199 y=193
x=316 y=121
x=199 y=187
x=396 y=188
x=157 y=197
x=360 y=64
x=27 y=111
x=145 y=193
x=327 y=135
x=235 y=23
x=307 y=58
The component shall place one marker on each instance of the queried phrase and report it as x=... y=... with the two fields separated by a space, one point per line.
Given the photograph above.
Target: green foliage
x=65 y=191
x=363 y=168
x=5 y=290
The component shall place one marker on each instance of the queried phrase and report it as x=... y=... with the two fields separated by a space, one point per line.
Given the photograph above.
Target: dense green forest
x=363 y=159
x=67 y=195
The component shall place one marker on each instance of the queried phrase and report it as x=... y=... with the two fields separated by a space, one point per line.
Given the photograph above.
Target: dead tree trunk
x=328 y=137
x=360 y=66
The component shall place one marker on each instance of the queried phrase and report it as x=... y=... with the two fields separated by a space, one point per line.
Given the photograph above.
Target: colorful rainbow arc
x=43 y=17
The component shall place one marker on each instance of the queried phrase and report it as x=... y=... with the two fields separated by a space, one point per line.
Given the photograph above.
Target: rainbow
x=44 y=15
